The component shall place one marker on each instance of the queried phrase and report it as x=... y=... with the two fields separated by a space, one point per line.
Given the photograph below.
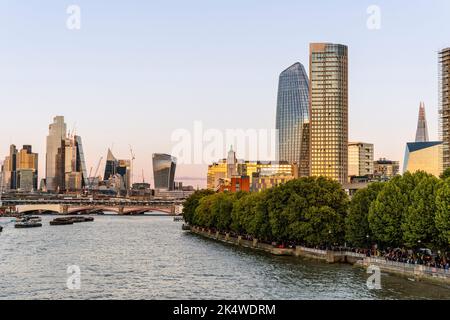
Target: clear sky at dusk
x=138 y=70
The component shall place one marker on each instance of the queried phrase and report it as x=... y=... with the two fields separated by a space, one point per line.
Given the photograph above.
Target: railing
x=311 y=250
x=410 y=267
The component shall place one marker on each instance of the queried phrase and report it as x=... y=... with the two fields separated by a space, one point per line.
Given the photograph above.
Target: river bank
x=410 y=271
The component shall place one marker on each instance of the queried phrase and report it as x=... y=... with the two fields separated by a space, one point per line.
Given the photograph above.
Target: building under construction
x=444 y=105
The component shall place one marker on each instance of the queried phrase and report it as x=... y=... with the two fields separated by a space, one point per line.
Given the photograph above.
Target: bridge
x=92 y=208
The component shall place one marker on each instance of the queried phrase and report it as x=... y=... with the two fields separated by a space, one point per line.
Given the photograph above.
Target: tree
x=357 y=231
x=221 y=207
x=418 y=224
x=442 y=218
x=192 y=202
x=386 y=213
x=445 y=174
x=203 y=216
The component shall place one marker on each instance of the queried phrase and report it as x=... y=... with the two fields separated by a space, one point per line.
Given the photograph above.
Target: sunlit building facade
x=55 y=167
x=27 y=169
x=216 y=172
x=20 y=170
x=360 y=159
x=444 y=105
x=385 y=169
x=164 y=166
x=292 y=118
x=329 y=110
x=424 y=156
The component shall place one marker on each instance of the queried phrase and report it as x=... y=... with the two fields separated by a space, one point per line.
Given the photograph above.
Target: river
x=149 y=257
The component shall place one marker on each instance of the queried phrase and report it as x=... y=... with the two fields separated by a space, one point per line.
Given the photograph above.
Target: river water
x=149 y=257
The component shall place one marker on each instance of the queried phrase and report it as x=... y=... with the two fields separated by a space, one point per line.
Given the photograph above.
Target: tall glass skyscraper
x=164 y=166
x=292 y=120
x=329 y=110
x=55 y=157
x=422 y=128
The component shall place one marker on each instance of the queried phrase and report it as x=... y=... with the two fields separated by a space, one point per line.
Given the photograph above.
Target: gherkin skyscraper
x=292 y=120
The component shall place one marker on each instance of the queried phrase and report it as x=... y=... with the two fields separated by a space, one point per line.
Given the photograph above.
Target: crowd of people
x=421 y=257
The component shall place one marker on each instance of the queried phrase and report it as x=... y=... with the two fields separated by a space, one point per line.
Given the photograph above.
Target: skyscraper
x=9 y=169
x=27 y=169
x=329 y=110
x=292 y=120
x=422 y=127
x=55 y=168
x=116 y=170
x=111 y=166
x=444 y=105
x=20 y=169
x=164 y=166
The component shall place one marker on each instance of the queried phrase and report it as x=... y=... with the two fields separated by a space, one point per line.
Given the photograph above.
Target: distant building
x=249 y=175
x=292 y=121
x=328 y=96
x=9 y=169
x=20 y=170
x=111 y=166
x=117 y=173
x=360 y=160
x=424 y=156
x=55 y=168
x=444 y=105
x=384 y=169
x=164 y=166
x=422 y=127
x=216 y=172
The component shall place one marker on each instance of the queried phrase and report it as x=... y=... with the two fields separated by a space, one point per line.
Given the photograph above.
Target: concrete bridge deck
x=120 y=209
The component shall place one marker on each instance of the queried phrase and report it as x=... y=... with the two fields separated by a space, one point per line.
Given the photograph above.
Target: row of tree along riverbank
x=410 y=211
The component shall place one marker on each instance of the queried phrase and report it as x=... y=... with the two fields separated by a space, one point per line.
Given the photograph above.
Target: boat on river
x=82 y=219
x=27 y=224
x=61 y=221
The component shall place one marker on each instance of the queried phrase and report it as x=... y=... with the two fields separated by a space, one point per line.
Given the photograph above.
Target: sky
x=136 y=71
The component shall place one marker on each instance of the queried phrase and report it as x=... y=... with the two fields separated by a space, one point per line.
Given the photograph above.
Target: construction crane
x=91 y=178
x=132 y=164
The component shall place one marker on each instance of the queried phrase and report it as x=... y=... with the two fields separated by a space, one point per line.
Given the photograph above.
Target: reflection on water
x=151 y=258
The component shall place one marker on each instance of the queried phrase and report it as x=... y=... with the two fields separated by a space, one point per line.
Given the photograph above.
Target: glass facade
x=329 y=110
x=422 y=128
x=111 y=166
x=81 y=162
x=54 y=172
x=444 y=105
x=164 y=166
x=292 y=119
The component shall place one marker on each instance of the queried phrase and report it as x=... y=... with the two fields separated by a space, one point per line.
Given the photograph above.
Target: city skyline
x=73 y=72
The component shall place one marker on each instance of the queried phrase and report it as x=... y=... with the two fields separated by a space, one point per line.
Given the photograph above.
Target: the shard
x=422 y=128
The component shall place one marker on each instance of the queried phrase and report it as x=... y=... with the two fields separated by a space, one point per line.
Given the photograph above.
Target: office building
x=27 y=169
x=55 y=157
x=360 y=160
x=329 y=110
x=20 y=170
x=164 y=166
x=292 y=118
x=117 y=173
x=424 y=156
x=384 y=169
